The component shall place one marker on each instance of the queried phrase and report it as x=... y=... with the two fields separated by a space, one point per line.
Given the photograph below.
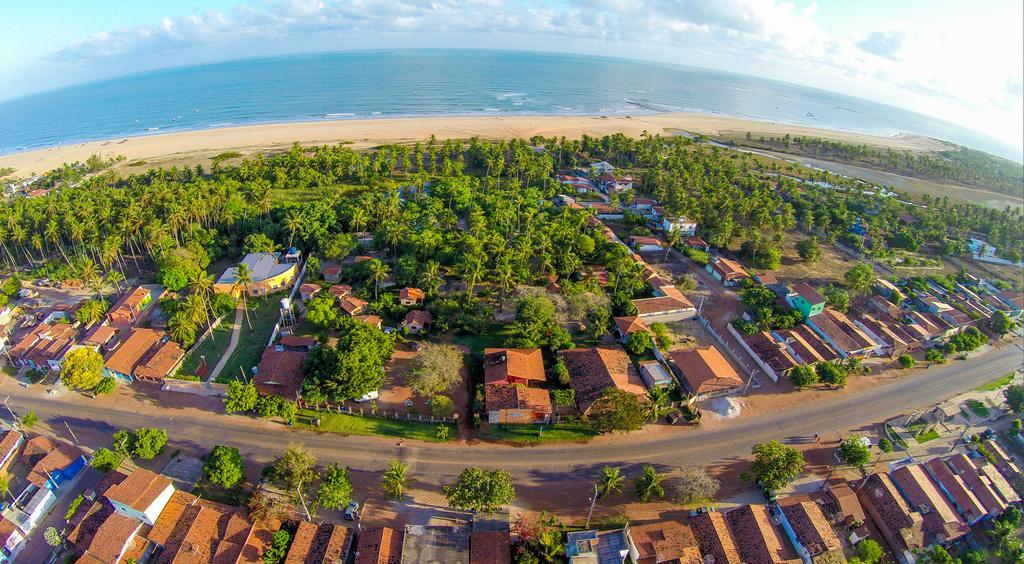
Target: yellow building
x=267 y=275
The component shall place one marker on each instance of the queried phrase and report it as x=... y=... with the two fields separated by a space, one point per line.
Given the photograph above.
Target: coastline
x=198 y=146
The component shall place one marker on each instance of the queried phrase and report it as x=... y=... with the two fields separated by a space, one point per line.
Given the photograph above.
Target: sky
x=959 y=61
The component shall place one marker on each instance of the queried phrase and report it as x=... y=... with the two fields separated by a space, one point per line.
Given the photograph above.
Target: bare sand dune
x=198 y=146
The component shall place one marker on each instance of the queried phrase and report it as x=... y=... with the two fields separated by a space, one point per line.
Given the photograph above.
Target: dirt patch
x=828 y=269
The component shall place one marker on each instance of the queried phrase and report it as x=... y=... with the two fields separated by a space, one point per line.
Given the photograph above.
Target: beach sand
x=197 y=147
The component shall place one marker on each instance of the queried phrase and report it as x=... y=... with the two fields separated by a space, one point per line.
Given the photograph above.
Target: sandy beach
x=193 y=147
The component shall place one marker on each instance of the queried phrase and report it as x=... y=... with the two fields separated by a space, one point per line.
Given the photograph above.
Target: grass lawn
x=251 y=342
x=996 y=384
x=211 y=348
x=493 y=336
x=925 y=437
x=978 y=408
x=356 y=425
x=537 y=434
x=213 y=492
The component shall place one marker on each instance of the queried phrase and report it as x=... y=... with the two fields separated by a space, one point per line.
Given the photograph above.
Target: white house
x=30 y=507
x=644 y=244
x=981 y=249
x=685 y=226
x=141 y=496
x=601 y=167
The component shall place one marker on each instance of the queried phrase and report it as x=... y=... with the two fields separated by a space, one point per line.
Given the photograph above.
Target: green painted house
x=805 y=299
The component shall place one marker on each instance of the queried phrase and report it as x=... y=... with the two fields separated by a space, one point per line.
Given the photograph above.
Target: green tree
x=884 y=444
x=837 y=298
x=776 y=464
x=831 y=373
x=52 y=537
x=443 y=432
x=336 y=489
x=477 y=489
x=30 y=419
x=353 y=367
x=240 y=396
x=148 y=442
x=436 y=370
x=809 y=250
x=394 y=481
x=860 y=278
x=1001 y=323
x=869 y=551
x=295 y=468
x=280 y=541
x=647 y=485
x=854 y=452
x=268 y=406
x=639 y=343
x=91 y=311
x=906 y=361
x=617 y=410
x=441 y=406
x=106 y=460
x=288 y=410
x=106 y=385
x=224 y=467
x=803 y=376
x=322 y=310
x=610 y=482
x=82 y=369
x=258 y=243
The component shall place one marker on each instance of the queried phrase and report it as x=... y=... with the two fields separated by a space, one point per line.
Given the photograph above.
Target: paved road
x=196 y=431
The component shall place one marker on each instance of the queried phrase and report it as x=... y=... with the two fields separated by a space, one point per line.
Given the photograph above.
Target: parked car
x=989 y=434
x=352 y=511
x=368 y=396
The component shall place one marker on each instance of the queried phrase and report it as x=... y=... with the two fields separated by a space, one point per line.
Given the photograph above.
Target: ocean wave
x=341 y=114
x=506 y=95
x=221 y=124
x=493 y=110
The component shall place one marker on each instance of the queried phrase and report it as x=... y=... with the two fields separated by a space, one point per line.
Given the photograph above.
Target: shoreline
x=197 y=146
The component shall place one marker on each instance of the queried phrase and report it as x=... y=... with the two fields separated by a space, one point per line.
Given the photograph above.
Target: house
x=516 y=404
x=321 y=544
x=771 y=354
x=641 y=205
x=663 y=542
x=812 y=530
x=642 y=244
x=705 y=371
x=685 y=226
x=339 y=291
x=12 y=541
x=980 y=486
x=141 y=496
x=331 y=273
x=843 y=335
x=605 y=211
x=942 y=524
x=805 y=299
x=757 y=538
x=513 y=366
x=697 y=243
x=374 y=320
x=409 y=297
x=714 y=538
x=280 y=373
x=805 y=345
x=597 y=547
x=626 y=326
x=489 y=541
x=144 y=354
x=616 y=183
x=900 y=526
x=726 y=271
x=654 y=375
x=298 y=342
x=673 y=307
x=267 y=274
x=129 y=307
x=842 y=506
x=44 y=346
x=417 y=320
x=99 y=336
x=379 y=545
x=1002 y=461
x=594 y=370
x=353 y=306
x=308 y=291
x=436 y=543
x=10 y=445
x=601 y=167
x=885 y=288
x=999 y=484
x=957 y=492
x=980 y=248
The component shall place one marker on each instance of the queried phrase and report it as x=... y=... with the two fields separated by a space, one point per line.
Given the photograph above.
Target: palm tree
x=648 y=485
x=610 y=482
x=395 y=480
x=504 y=276
x=658 y=404
x=472 y=268
x=195 y=305
x=201 y=284
x=243 y=278
x=378 y=274
x=672 y=239
x=292 y=222
x=114 y=278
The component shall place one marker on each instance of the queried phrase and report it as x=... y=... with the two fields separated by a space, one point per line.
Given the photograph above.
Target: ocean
x=396 y=83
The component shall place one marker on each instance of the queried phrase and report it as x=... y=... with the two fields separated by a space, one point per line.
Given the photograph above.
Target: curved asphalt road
x=567 y=465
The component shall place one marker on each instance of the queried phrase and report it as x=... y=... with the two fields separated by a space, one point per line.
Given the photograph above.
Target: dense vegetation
x=958 y=163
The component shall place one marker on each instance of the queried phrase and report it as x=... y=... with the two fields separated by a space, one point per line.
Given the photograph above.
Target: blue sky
x=960 y=61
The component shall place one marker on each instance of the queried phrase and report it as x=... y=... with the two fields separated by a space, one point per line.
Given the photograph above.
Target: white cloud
x=886 y=44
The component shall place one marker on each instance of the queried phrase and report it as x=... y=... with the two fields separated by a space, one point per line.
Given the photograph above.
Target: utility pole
x=124 y=450
x=298 y=490
x=72 y=432
x=14 y=418
x=593 y=500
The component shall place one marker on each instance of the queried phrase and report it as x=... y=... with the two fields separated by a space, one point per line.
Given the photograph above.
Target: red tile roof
x=902 y=528
x=379 y=545
x=56 y=459
x=353 y=305
x=629 y=325
x=757 y=538
x=499 y=397
x=411 y=294
x=706 y=370
x=130 y=352
x=808 y=293
x=812 y=528
x=160 y=360
x=665 y=541
x=729 y=269
x=941 y=521
x=714 y=538
x=418 y=316
x=139 y=490
x=339 y=290
x=9 y=444
x=968 y=472
x=298 y=341
x=280 y=373
x=513 y=365
x=111 y=539
x=596 y=369
x=99 y=335
x=968 y=504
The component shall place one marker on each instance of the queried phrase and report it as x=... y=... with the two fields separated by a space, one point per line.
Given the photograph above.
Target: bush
x=441 y=406
x=661 y=335
x=30 y=419
x=639 y=343
x=885 y=445
x=106 y=460
x=936 y=356
x=803 y=376
x=564 y=398
x=906 y=361
x=106 y=386
x=223 y=304
x=224 y=466
x=700 y=257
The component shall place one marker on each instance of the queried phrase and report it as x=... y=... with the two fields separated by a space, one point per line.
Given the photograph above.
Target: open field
x=356 y=425
x=828 y=269
x=538 y=434
x=251 y=342
x=198 y=147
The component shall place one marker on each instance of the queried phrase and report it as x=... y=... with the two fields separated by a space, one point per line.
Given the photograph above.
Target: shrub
x=906 y=361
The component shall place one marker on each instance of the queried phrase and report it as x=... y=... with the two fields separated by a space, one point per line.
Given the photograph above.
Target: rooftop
x=516 y=396
x=808 y=293
x=890 y=512
x=419 y=317
x=435 y=544
x=596 y=369
x=968 y=504
x=506 y=365
x=261 y=267
x=630 y=324
x=111 y=538
x=811 y=527
x=139 y=490
x=280 y=372
x=730 y=269
x=706 y=370
x=665 y=541
x=663 y=304
x=411 y=294
x=941 y=521
x=756 y=536
x=968 y=472
x=129 y=353
x=489 y=541
x=379 y=545
x=160 y=360
x=714 y=538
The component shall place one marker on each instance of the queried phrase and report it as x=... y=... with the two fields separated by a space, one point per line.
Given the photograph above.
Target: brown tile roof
x=158 y=363
x=412 y=294
x=7 y=530
x=419 y=316
x=129 y=305
x=332 y=269
x=309 y=289
x=139 y=490
x=9 y=443
x=379 y=545
x=35 y=449
x=298 y=341
x=129 y=353
x=55 y=459
x=1007 y=467
x=195 y=530
x=811 y=527
x=99 y=335
x=901 y=527
x=353 y=305
x=509 y=365
x=730 y=269
x=112 y=537
x=663 y=304
x=330 y=545
x=767 y=278
x=45 y=342
x=340 y=290
x=643 y=240
x=770 y=351
x=846 y=501
x=629 y=325
x=302 y=541
x=280 y=372
x=596 y=369
x=489 y=541
x=374 y=320
x=968 y=472
x=665 y=541
x=941 y=521
x=808 y=293
x=714 y=538
x=842 y=331
x=757 y=539
x=968 y=504
x=516 y=396
x=706 y=370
